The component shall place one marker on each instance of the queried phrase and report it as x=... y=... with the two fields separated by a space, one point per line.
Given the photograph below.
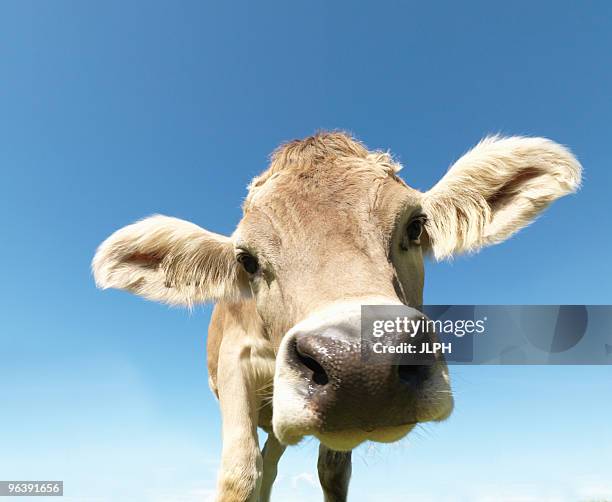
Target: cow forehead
x=354 y=205
x=327 y=186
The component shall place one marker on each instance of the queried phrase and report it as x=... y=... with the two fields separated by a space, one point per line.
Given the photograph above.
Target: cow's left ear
x=171 y=261
x=494 y=190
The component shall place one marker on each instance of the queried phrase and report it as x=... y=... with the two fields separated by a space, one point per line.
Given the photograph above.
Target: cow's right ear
x=171 y=261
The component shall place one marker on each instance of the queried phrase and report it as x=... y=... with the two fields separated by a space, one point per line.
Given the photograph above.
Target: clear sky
x=111 y=111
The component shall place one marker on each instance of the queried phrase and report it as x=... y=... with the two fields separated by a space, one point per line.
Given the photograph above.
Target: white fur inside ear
x=169 y=260
x=494 y=190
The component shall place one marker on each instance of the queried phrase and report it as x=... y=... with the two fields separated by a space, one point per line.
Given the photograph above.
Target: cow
x=328 y=227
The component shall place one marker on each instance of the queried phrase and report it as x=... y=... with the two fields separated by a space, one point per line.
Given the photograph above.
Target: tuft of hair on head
x=322 y=149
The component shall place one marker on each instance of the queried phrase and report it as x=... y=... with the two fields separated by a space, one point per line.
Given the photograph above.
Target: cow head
x=328 y=227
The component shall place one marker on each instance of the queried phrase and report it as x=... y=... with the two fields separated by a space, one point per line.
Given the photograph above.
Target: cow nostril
x=413 y=374
x=319 y=376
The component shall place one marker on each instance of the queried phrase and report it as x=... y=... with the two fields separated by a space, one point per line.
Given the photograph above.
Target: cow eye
x=248 y=262
x=414 y=229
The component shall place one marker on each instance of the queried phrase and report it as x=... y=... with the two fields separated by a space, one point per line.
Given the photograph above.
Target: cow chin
x=351 y=438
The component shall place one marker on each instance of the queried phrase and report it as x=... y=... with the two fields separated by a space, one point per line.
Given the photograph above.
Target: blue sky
x=111 y=111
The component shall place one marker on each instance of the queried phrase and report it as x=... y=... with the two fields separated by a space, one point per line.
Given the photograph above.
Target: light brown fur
x=326 y=222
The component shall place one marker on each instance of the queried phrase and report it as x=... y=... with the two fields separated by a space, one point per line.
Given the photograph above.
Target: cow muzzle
x=325 y=387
